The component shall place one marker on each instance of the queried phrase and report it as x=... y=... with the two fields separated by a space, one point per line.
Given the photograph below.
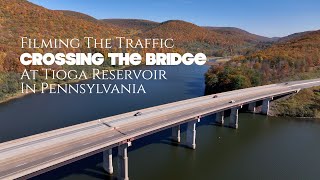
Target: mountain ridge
x=138 y=24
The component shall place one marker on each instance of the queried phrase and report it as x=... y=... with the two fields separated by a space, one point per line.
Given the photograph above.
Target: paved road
x=39 y=153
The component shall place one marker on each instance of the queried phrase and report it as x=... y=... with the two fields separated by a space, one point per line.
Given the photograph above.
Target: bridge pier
x=234 y=117
x=252 y=107
x=265 y=106
x=123 y=172
x=107 y=161
x=219 y=117
x=176 y=133
x=191 y=133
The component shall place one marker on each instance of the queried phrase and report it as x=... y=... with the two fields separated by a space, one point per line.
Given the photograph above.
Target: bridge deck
x=41 y=152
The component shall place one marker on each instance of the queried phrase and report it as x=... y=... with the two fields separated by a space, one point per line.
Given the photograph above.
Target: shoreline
x=300 y=118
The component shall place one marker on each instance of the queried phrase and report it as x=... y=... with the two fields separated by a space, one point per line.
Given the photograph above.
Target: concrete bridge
x=33 y=155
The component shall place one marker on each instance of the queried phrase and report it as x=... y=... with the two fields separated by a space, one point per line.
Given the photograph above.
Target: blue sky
x=264 y=17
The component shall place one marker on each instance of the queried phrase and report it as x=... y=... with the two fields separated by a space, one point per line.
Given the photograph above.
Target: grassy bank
x=303 y=104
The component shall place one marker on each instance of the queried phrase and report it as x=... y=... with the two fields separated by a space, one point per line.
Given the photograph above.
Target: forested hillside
x=79 y=15
x=139 y=25
x=293 y=59
x=239 y=34
x=297 y=58
x=212 y=41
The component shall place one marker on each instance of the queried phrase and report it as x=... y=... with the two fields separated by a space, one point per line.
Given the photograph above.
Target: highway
x=33 y=155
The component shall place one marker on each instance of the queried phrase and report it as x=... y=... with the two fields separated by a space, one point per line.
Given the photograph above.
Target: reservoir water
x=262 y=148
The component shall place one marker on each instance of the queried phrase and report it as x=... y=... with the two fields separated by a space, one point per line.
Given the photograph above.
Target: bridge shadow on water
x=91 y=167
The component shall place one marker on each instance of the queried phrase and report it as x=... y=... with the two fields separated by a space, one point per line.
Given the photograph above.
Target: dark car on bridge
x=137 y=114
